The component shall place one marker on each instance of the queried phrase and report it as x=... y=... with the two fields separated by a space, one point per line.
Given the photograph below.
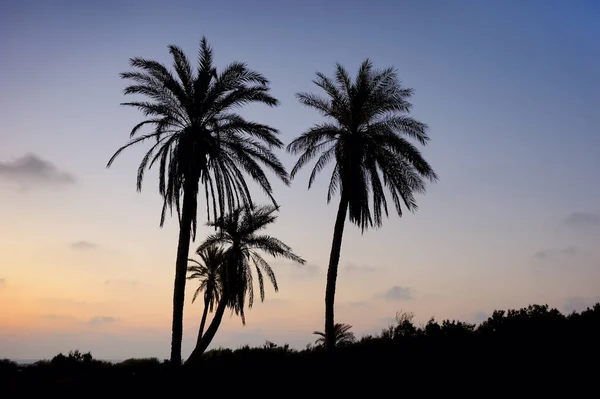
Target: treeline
x=536 y=342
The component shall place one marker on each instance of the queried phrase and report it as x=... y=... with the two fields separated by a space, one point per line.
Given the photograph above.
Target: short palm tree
x=239 y=234
x=198 y=139
x=208 y=271
x=342 y=334
x=365 y=136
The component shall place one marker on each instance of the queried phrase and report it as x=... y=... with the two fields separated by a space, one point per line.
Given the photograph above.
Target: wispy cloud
x=557 y=253
x=397 y=294
x=83 y=245
x=582 y=220
x=98 y=320
x=31 y=170
x=102 y=320
x=2 y=282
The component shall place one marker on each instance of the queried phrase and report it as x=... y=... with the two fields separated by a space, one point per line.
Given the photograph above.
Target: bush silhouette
x=533 y=341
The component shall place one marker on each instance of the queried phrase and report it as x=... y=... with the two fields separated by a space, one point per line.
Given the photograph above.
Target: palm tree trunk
x=202 y=322
x=210 y=331
x=183 y=248
x=332 y=271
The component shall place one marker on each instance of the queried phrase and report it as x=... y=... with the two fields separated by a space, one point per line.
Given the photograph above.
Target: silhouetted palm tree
x=209 y=273
x=342 y=335
x=364 y=136
x=199 y=139
x=239 y=233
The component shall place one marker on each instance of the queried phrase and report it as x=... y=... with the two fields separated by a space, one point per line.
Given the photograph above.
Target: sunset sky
x=508 y=88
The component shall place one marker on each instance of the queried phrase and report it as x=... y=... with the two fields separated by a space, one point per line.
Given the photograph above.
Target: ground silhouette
x=535 y=349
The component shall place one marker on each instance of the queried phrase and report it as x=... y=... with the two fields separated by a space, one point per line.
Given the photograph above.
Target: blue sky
x=508 y=89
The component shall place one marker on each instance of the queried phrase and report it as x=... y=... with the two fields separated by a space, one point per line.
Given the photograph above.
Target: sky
x=507 y=88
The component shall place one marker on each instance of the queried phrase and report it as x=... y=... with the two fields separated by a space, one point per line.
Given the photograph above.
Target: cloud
x=553 y=253
x=30 y=169
x=578 y=304
x=352 y=268
x=582 y=220
x=2 y=283
x=83 y=245
x=98 y=320
x=102 y=320
x=397 y=293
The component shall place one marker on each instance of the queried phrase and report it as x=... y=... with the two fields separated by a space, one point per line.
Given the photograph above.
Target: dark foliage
x=197 y=135
x=343 y=335
x=241 y=235
x=532 y=350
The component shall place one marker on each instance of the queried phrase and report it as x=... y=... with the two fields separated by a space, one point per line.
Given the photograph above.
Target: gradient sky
x=508 y=88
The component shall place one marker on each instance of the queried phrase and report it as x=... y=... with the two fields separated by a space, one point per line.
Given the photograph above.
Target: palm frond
x=342 y=335
x=366 y=138
x=199 y=139
x=242 y=246
x=208 y=272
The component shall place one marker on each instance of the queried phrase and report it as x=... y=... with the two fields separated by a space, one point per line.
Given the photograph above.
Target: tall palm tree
x=198 y=139
x=342 y=334
x=209 y=273
x=239 y=233
x=365 y=135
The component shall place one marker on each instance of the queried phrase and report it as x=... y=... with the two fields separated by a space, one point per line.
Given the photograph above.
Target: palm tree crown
x=364 y=135
x=196 y=133
x=342 y=332
x=240 y=235
x=209 y=272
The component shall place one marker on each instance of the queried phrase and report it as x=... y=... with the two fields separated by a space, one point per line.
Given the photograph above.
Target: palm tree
x=209 y=273
x=239 y=233
x=342 y=334
x=367 y=119
x=198 y=139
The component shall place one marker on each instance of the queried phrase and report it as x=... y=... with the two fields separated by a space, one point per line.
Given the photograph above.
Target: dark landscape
x=534 y=350
x=295 y=156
